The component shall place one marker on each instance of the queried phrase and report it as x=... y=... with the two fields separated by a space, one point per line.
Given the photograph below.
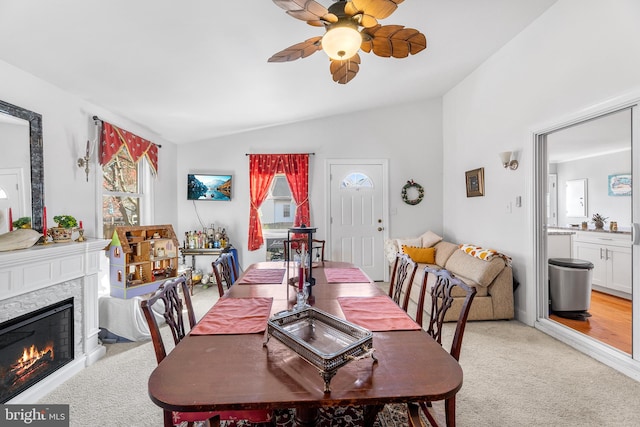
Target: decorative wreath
x=412 y=184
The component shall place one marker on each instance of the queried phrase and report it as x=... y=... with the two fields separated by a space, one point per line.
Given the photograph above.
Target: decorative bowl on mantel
x=60 y=235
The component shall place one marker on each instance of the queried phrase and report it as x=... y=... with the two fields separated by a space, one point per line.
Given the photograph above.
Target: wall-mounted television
x=207 y=186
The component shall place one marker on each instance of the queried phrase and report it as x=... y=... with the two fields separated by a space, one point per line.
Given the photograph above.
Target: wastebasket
x=570 y=287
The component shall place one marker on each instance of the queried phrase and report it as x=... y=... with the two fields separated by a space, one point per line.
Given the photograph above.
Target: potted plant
x=24 y=222
x=62 y=233
x=598 y=220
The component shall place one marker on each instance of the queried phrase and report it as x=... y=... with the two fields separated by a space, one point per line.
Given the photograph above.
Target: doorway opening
x=576 y=170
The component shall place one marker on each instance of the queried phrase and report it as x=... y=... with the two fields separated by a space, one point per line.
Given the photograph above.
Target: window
x=356 y=180
x=123 y=192
x=276 y=216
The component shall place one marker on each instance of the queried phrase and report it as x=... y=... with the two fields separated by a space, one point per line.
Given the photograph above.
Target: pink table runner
x=345 y=275
x=263 y=276
x=378 y=313
x=235 y=316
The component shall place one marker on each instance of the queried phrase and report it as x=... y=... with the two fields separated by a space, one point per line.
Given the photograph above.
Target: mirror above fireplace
x=36 y=165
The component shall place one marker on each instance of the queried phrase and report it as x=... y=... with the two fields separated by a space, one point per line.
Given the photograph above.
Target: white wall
x=576 y=55
x=596 y=170
x=409 y=135
x=67 y=125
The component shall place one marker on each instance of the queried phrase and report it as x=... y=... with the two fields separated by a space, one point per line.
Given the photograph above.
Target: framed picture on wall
x=475 y=182
x=620 y=184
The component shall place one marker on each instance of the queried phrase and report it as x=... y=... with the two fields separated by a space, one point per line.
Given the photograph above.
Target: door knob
x=380 y=228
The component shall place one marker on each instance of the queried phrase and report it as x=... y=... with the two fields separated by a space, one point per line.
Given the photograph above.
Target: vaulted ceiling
x=197 y=69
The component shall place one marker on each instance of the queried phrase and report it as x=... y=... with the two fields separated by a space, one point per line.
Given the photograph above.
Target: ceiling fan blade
x=379 y=9
x=393 y=41
x=368 y=21
x=298 y=50
x=307 y=10
x=344 y=70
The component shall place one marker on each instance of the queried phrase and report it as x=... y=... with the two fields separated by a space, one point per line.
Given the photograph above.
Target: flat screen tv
x=203 y=186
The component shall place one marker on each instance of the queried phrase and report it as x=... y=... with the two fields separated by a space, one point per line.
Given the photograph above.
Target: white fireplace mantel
x=26 y=273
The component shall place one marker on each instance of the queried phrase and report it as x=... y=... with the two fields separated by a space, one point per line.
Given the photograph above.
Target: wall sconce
x=507 y=161
x=83 y=162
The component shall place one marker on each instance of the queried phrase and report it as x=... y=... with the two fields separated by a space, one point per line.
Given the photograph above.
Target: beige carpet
x=514 y=376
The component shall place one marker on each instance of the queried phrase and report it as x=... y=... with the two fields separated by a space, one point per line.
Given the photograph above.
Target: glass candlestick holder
x=301 y=298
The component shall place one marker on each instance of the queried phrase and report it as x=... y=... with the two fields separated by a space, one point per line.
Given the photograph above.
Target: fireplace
x=32 y=279
x=34 y=345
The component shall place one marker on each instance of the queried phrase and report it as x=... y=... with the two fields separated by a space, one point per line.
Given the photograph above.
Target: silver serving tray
x=325 y=341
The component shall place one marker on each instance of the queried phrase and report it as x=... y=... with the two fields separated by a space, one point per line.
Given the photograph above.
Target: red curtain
x=296 y=169
x=114 y=139
x=262 y=169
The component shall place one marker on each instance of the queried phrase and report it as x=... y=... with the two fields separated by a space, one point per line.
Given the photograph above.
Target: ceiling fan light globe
x=341 y=42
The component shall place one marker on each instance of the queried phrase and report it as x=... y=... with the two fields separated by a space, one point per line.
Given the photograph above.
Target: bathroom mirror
x=576 y=198
x=34 y=171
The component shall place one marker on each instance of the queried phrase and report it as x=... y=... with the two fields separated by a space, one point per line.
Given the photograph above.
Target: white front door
x=357 y=214
x=11 y=196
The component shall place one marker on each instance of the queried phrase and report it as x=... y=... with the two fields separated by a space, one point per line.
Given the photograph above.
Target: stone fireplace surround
x=42 y=275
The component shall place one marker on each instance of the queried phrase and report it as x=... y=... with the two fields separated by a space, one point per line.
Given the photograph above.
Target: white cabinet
x=559 y=245
x=610 y=254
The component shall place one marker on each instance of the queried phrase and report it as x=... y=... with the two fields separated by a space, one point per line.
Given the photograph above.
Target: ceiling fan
x=350 y=25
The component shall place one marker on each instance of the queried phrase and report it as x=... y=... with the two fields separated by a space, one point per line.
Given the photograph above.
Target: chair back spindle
x=441 y=301
x=224 y=270
x=294 y=246
x=169 y=294
x=404 y=271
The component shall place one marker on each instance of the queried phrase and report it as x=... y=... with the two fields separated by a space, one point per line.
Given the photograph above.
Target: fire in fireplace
x=33 y=346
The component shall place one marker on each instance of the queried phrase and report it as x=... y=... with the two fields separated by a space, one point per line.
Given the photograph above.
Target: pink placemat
x=345 y=275
x=235 y=316
x=378 y=313
x=263 y=276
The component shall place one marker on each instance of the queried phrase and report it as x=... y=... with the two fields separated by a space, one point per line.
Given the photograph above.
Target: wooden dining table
x=238 y=372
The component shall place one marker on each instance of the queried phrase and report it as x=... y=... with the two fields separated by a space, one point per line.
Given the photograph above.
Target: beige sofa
x=492 y=279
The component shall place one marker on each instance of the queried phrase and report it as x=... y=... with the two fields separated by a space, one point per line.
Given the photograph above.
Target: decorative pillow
x=22 y=238
x=409 y=242
x=429 y=239
x=390 y=250
x=421 y=255
x=484 y=254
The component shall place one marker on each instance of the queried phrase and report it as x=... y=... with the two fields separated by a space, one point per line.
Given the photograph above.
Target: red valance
x=113 y=139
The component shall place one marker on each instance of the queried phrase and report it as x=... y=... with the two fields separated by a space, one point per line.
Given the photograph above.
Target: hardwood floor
x=610 y=321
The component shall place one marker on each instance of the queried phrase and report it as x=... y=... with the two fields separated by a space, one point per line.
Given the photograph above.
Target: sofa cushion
x=444 y=251
x=420 y=255
x=480 y=271
x=416 y=241
x=430 y=239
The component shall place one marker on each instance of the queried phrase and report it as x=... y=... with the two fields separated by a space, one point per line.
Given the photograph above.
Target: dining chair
x=294 y=246
x=175 y=297
x=402 y=275
x=441 y=300
x=225 y=271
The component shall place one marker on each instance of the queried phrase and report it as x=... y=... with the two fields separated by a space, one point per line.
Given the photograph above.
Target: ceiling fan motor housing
x=342 y=33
